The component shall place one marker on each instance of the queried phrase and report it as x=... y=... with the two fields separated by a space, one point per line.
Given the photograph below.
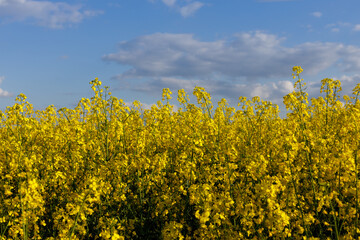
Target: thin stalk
x=24 y=220
x=77 y=216
x=3 y=232
x=207 y=107
x=335 y=221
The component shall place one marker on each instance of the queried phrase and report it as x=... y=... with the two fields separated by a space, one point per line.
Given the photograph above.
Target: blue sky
x=51 y=50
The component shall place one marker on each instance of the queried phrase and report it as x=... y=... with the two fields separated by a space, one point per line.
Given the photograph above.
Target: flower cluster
x=104 y=170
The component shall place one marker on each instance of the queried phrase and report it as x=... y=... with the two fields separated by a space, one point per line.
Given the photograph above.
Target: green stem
x=3 y=232
x=335 y=220
x=77 y=216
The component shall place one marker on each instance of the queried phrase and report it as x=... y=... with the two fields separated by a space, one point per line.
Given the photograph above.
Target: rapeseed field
x=105 y=171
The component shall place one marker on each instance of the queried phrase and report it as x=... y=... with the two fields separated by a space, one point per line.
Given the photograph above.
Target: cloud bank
x=255 y=55
x=247 y=62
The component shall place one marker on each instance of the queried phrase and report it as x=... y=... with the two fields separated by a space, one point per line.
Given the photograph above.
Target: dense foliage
x=105 y=171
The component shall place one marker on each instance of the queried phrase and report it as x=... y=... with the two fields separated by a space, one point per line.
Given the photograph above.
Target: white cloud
x=44 y=13
x=185 y=8
x=317 y=14
x=357 y=27
x=190 y=8
x=351 y=59
x=169 y=3
x=4 y=93
x=346 y=78
x=260 y=90
x=348 y=83
x=169 y=82
x=336 y=27
x=252 y=55
x=284 y=86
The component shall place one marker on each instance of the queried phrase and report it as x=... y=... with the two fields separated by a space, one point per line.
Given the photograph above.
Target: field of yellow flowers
x=106 y=171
